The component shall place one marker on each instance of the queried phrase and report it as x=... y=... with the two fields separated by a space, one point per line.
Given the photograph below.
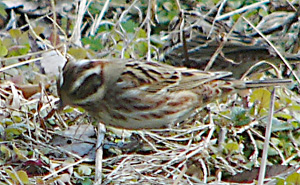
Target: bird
x=194 y=38
x=136 y=94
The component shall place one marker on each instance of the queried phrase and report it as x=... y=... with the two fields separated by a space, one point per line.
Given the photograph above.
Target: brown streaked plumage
x=136 y=94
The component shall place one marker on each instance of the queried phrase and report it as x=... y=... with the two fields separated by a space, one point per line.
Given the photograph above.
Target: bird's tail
x=261 y=83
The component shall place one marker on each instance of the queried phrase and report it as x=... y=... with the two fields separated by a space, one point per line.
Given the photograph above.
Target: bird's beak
x=59 y=105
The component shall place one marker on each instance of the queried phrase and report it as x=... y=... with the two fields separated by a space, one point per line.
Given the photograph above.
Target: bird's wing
x=155 y=77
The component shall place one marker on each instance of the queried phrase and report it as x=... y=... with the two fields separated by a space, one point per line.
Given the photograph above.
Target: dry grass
x=215 y=143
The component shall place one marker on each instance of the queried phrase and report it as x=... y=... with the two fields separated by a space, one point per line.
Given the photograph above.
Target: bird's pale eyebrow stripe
x=84 y=74
x=92 y=83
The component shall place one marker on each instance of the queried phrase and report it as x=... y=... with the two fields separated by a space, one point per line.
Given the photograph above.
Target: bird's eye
x=88 y=86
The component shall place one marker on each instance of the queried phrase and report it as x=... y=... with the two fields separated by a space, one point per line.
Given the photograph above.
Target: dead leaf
x=77 y=139
x=52 y=61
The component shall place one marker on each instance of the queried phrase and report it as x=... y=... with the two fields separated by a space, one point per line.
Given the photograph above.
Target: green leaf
x=295 y=124
x=239 y=117
x=16 y=119
x=93 y=42
x=275 y=141
x=141 y=48
x=142 y=34
x=262 y=12
x=236 y=17
x=95 y=8
x=78 y=53
x=68 y=110
x=130 y=26
x=261 y=95
x=272 y=152
x=18 y=50
x=234 y=3
x=38 y=30
x=86 y=181
x=2 y=10
x=23 y=39
x=104 y=28
x=165 y=16
x=278 y=125
x=231 y=147
x=23 y=176
x=283 y=115
x=5 y=152
x=3 y=51
x=80 y=109
x=280 y=181
x=19 y=153
x=13 y=132
x=8 y=42
x=293 y=179
x=11 y=175
x=25 y=49
x=295 y=107
x=15 y=33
